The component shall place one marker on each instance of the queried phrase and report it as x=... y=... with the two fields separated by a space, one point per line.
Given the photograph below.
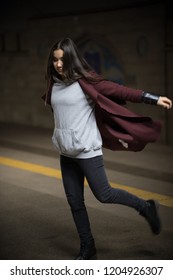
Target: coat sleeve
x=115 y=91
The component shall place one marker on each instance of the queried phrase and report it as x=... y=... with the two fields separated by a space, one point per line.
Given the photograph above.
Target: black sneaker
x=151 y=214
x=87 y=252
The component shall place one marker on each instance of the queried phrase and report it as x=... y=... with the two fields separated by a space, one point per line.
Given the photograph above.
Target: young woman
x=88 y=115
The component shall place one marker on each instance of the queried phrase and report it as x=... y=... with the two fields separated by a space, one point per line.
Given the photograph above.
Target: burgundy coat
x=115 y=122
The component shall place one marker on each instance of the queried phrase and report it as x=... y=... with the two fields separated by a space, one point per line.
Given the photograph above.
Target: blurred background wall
x=130 y=42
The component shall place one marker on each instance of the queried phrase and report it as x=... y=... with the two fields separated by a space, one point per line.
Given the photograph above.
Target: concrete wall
x=136 y=36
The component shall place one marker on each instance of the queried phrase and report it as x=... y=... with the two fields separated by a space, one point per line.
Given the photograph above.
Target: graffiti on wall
x=102 y=58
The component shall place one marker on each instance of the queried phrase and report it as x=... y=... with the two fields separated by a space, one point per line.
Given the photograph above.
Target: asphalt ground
x=36 y=221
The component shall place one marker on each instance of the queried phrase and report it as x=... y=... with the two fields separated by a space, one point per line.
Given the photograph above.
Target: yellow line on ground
x=31 y=167
x=163 y=199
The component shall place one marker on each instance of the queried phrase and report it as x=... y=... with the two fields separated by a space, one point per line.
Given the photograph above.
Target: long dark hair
x=74 y=65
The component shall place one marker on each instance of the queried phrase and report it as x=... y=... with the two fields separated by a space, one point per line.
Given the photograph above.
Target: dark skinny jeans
x=73 y=173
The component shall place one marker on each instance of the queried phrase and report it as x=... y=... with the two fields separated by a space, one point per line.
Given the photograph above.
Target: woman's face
x=58 y=61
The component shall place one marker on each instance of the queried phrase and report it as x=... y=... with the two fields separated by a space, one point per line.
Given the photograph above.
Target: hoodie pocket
x=67 y=142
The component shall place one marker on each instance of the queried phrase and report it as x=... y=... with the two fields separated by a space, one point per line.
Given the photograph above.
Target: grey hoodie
x=75 y=132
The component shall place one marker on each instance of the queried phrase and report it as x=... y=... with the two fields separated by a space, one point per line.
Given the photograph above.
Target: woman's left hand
x=164 y=102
